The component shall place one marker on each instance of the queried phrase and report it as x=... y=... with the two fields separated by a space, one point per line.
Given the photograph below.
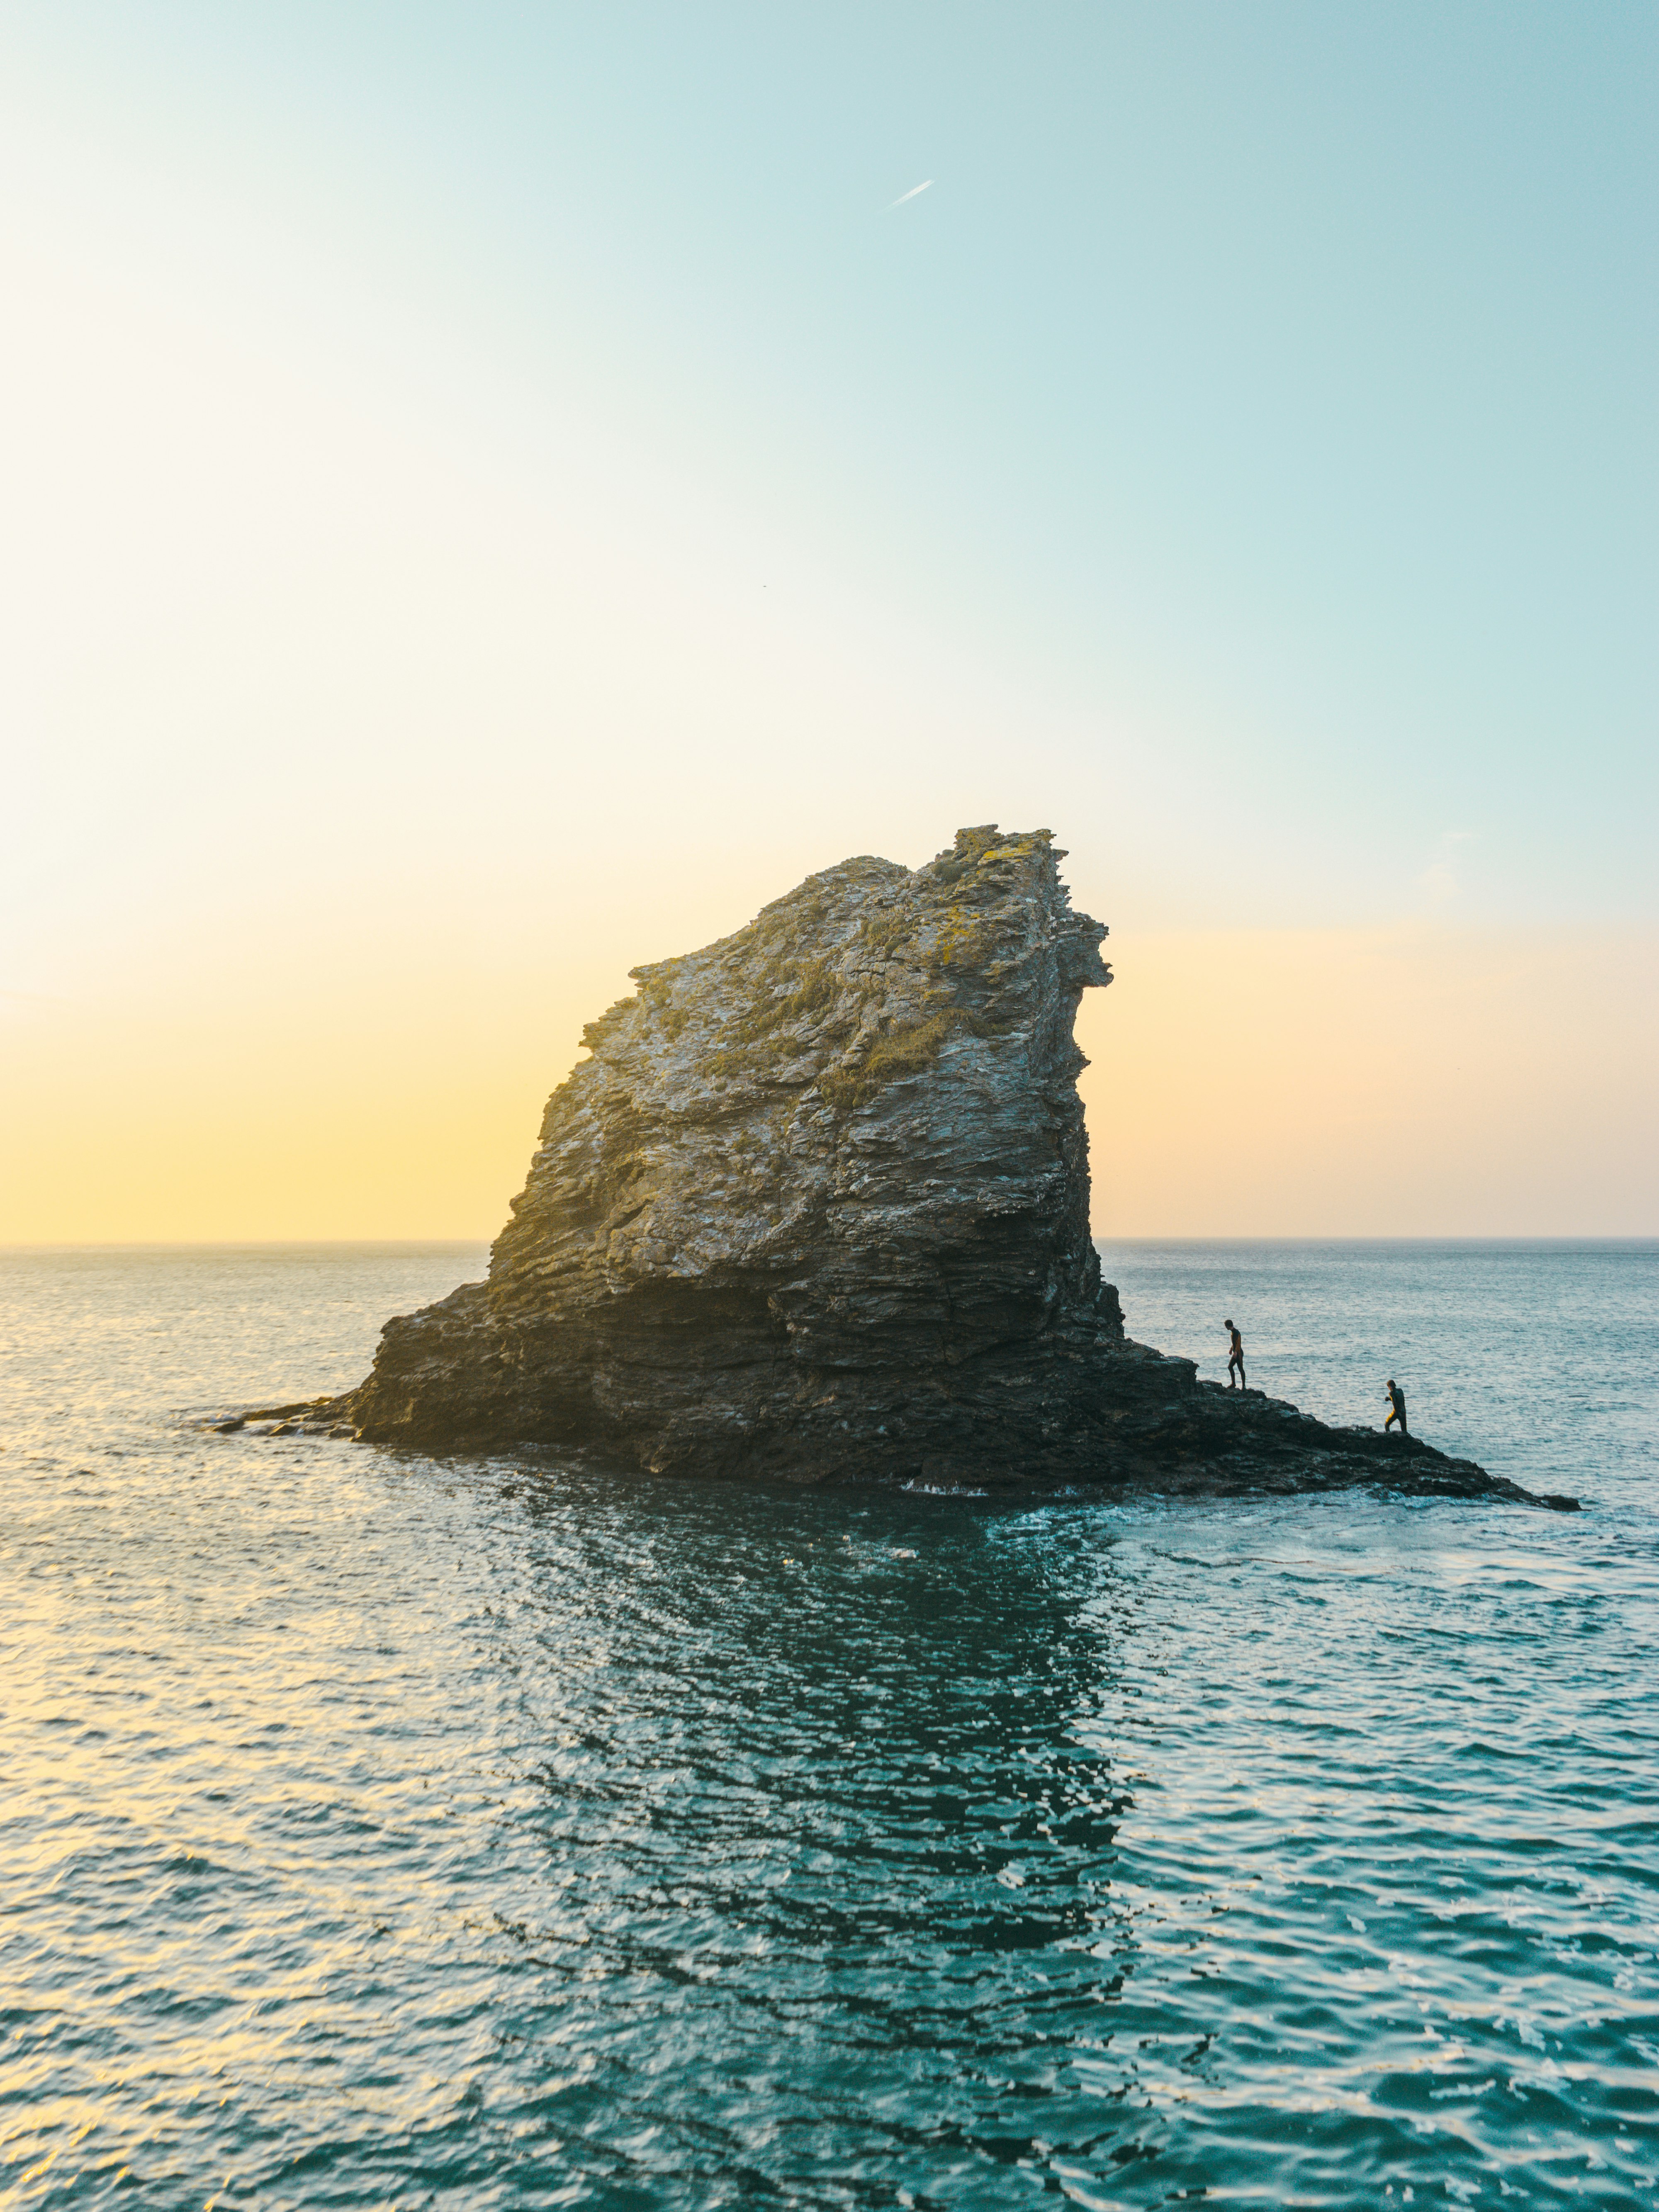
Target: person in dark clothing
x=1396 y=1408
x=1235 y=1356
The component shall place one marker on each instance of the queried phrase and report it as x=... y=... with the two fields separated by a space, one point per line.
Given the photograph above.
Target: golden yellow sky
x=1422 y=1080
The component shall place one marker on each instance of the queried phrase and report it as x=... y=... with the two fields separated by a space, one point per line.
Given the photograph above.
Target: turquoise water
x=379 y=1833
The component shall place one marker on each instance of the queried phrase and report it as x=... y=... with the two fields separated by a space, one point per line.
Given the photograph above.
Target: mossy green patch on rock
x=905 y=1050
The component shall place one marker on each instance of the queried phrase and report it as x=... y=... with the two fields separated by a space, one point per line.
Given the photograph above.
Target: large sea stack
x=816 y=1207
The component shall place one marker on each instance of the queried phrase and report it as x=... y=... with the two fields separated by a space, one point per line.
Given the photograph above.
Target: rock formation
x=816 y=1206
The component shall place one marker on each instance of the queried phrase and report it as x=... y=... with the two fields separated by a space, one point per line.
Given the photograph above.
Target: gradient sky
x=492 y=495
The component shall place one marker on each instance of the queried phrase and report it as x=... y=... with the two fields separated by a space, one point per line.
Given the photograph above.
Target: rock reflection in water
x=827 y=1828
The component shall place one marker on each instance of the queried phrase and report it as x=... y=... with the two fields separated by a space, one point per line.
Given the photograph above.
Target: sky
x=492 y=495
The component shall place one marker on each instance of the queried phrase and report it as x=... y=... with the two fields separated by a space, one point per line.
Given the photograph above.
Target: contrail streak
x=911 y=194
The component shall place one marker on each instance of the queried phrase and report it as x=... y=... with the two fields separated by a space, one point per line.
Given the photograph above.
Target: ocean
x=378 y=1831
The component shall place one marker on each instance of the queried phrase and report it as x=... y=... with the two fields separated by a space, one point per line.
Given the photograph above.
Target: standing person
x=1235 y=1357
x=1396 y=1409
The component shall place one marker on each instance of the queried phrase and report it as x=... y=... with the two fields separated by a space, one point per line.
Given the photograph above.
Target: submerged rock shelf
x=816 y=1207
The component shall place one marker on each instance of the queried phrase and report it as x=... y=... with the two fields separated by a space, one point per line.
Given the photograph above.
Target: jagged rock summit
x=816 y=1206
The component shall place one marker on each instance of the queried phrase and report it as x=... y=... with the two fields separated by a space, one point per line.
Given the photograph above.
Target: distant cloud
x=1441 y=882
x=911 y=194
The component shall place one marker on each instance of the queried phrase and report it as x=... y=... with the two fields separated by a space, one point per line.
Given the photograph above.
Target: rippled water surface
x=378 y=1831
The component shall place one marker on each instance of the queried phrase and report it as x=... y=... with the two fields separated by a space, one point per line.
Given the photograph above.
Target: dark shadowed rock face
x=816 y=1206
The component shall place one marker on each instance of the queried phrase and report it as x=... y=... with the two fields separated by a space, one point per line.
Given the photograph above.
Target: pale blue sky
x=518 y=463
x=1296 y=360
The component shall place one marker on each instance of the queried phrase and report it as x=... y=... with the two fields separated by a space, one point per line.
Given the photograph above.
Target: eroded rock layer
x=816 y=1206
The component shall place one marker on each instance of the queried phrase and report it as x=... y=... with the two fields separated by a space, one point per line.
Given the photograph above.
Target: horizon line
x=1096 y=1236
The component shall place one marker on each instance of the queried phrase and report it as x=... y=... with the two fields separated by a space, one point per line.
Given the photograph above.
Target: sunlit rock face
x=818 y=1206
x=817 y=1203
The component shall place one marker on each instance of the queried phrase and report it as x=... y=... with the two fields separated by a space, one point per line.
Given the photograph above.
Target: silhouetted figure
x=1396 y=1409
x=1235 y=1357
